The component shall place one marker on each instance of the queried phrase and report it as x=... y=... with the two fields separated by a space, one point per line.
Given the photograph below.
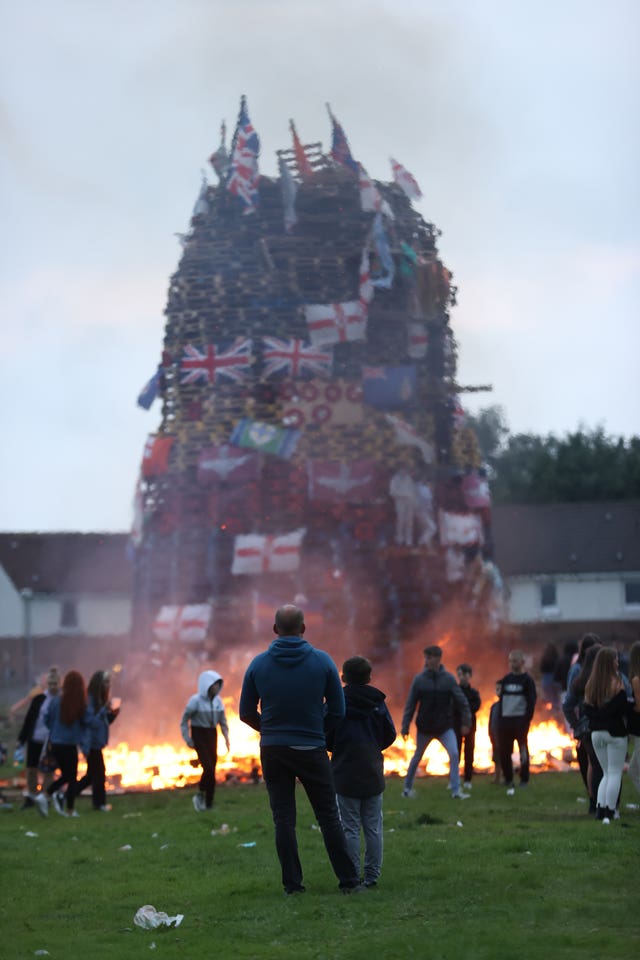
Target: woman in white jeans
x=633 y=720
x=606 y=706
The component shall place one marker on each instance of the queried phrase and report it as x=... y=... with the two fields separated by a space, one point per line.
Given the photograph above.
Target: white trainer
x=42 y=804
x=198 y=803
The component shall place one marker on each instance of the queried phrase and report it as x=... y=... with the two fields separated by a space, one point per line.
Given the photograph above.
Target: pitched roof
x=567 y=537
x=67 y=562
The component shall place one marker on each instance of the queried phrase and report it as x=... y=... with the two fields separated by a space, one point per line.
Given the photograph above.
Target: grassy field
x=492 y=877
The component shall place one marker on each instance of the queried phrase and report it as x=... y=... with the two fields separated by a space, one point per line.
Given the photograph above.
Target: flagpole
x=243 y=105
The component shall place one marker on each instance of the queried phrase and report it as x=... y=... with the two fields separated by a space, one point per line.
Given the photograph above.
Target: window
x=632 y=593
x=548 y=595
x=69 y=614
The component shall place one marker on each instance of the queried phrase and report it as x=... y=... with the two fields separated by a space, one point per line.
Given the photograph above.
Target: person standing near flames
x=202 y=715
x=517 y=703
x=35 y=734
x=291 y=694
x=464 y=673
x=437 y=697
x=101 y=712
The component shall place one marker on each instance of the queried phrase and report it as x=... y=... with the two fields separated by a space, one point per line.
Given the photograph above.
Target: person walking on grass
x=202 y=716
x=464 y=673
x=100 y=714
x=291 y=694
x=66 y=719
x=607 y=708
x=35 y=735
x=356 y=746
x=437 y=697
x=517 y=703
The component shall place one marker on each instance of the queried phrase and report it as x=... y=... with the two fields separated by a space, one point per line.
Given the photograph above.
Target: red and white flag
x=459 y=529
x=418 y=340
x=366 y=288
x=370 y=199
x=187 y=624
x=336 y=322
x=342 y=482
x=405 y=180
x=406 y=433
x=475 y=489
x=256 y=553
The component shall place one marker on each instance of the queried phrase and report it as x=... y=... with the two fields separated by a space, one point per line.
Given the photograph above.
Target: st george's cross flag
x=256 y=553
x=365 y=285
x=341 y=482
x=405 y=180
x=294 y=358
x=417 y=340
x=406 y=433
x=371 y=200
x=226 y=464
x=243 y=169
x=265 y=437
x=330 y=323
x=212 y=362
x=188 y=624
x=459 y=529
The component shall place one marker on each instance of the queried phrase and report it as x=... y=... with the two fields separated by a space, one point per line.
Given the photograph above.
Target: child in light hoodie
x=199 y=728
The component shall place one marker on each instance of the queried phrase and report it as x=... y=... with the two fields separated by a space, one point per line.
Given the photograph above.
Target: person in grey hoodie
x=202 y=715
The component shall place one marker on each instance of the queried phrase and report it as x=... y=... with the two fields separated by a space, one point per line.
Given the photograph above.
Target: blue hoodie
x=60 y=732
x=299 y=692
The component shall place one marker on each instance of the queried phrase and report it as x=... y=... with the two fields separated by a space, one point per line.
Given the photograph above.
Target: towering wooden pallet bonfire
x=307 y=358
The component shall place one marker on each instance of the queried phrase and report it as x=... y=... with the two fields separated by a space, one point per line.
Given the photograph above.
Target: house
x=63 y=596
x=571 y=567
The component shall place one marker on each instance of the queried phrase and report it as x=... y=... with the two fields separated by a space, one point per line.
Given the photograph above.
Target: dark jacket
x=29 y=724
x=473 y=699
x=435 y=693
x=518 y=697
x=299 y=692
x=611 y=716
x=357 y=742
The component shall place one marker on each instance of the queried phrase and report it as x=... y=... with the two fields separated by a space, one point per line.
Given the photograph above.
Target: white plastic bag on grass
x=149 y=918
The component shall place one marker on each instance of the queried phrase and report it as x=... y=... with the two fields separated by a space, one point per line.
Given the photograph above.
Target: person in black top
x=464 y=674
x=356 y=745
x=517 y=703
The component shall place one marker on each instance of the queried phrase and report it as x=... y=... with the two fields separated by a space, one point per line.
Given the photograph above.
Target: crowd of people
x=293 y=696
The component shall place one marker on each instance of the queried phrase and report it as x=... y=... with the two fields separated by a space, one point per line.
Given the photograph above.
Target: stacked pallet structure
x=246 y=277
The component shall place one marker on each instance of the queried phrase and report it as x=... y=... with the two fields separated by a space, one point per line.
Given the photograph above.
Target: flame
x=164 y=765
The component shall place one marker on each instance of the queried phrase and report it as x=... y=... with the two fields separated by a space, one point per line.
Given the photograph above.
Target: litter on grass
x=148 y=918
x=252 y=843
x=30 y=833
x=127 y=846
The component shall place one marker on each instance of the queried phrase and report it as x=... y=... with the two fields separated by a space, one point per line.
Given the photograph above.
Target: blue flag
x=340 y=146
x=389 y=388
x=150 y=391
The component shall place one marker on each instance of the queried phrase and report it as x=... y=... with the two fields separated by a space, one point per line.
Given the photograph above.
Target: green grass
x=525 y=877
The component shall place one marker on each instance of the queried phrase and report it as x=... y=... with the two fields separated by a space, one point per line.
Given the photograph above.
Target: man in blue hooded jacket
x=298 y=691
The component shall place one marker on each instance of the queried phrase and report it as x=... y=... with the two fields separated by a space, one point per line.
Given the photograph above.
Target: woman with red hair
x=66 y=718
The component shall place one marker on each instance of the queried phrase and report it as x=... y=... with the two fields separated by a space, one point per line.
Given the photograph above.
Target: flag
x=405 y=180
x=341 y=482
x=243 y=172
x=155 y=459
x=266 y=553
x=289 y=191
x=336 y=322
x=340 y=145
x=150 y=391
x=388 y=388
x=475 y=489
x=459 y=529
x=226 y=464
x=418 y=340
x=265 y=437
x=370 y=199
x=381 y=244
x=365 y=286
x=338 y=402
x=213 y=362
x=294 y=358
x=304 y=167
x=201 y=207
x=188 y=623
x=406 y=434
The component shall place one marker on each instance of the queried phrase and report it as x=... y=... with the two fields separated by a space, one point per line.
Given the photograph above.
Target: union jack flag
x=340 y=145
x=243 y=172
x=295 y=358
x=212 y=362
x=336 y=322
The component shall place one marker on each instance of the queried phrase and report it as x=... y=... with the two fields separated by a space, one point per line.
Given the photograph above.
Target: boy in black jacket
x=464 y=673
x=356 y=745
